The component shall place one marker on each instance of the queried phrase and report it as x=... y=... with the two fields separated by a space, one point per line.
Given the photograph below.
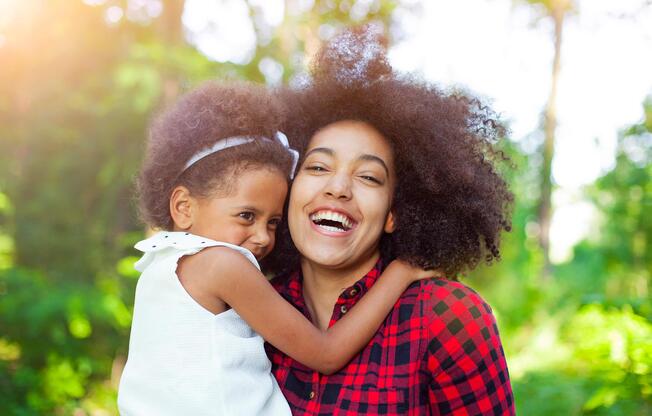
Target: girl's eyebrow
x=248 y=208
x=366 y=157
x=256 y=210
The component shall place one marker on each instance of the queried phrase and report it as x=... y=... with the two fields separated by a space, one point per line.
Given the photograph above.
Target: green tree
x=555 y=11
x=594 y=319
x=623 y=247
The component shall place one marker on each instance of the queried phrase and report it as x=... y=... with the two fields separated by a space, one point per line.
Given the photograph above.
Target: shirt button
x=343 y=309
x=353 y=292
x=311 y=395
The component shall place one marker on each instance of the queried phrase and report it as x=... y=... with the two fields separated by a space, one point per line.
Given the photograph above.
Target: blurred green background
x=79 y=81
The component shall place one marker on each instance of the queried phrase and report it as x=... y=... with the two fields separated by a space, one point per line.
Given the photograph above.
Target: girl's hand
x=410 y=273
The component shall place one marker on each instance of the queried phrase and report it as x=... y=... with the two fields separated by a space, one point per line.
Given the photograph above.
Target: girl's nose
x=261 y=235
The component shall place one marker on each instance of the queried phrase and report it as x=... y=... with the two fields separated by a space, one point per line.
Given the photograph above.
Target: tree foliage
x=581 y=344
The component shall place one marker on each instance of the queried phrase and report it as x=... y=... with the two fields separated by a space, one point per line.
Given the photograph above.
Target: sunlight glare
x=113 y=15
x=221 y=30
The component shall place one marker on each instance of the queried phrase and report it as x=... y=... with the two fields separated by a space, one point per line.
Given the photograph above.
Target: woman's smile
x=332 y=221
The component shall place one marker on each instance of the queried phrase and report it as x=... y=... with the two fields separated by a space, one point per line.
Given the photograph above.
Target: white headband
x=237 y=141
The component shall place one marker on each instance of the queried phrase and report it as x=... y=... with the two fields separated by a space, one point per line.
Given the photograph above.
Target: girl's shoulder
x=185 y=244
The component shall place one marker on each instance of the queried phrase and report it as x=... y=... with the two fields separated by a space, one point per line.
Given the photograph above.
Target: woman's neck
x=322 y=286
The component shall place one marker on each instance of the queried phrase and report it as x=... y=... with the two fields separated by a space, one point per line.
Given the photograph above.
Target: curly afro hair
x=451 y=202
x=212 y=112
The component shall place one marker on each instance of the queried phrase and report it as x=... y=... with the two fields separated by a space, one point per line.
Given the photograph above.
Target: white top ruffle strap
x=179 y=240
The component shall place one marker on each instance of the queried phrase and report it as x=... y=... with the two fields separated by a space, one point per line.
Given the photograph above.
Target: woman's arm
x=238 y=283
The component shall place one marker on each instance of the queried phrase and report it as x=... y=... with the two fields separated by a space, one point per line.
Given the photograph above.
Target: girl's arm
x=238 y=283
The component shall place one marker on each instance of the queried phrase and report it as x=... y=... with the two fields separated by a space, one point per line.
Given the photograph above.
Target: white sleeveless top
x=183 y=359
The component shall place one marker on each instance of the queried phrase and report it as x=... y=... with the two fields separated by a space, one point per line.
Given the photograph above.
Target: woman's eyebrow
x=372 y=158
x=326 y=150
x=364 y=157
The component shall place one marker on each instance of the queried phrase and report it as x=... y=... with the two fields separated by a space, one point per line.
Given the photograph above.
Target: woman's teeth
x=332 y=229
x=332 y=221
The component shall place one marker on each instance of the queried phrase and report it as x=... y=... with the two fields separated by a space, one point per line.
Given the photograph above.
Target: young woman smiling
x=393 y=168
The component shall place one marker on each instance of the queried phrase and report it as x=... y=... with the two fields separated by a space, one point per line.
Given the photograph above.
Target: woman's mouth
x=332 y=221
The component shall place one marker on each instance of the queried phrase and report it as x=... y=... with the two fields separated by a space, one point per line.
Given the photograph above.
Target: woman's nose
x=339 y=187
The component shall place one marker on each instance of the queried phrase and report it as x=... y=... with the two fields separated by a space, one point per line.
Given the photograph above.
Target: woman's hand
x=411 y=273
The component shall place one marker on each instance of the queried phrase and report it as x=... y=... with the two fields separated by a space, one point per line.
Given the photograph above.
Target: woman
x=393 y=167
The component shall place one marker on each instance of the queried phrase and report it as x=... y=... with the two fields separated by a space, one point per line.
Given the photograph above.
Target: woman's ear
x=389 y=223
x=182 y=207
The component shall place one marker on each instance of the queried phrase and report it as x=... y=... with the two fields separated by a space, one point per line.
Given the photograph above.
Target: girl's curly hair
x=212 y=112
x=451 y=202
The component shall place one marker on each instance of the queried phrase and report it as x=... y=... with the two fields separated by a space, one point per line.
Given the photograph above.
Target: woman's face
x=341 y=197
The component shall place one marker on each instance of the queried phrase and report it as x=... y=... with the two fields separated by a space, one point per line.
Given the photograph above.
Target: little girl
x=215 y=178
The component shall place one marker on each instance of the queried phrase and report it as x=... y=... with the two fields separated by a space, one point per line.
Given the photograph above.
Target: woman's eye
x=316 y=168
x=249 y=216
x=371 y=179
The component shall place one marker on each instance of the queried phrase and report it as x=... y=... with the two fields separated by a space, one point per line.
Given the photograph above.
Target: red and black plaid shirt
x=437 y=353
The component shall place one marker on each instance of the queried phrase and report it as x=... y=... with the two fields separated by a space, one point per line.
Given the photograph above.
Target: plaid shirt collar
x=291 y=288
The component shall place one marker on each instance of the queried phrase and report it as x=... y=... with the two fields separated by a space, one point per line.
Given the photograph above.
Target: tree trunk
x=170 y=25
x=171 y=31
x=550 y=124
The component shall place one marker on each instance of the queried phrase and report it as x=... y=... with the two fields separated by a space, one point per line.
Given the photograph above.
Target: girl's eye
x=249 y=216
x=274 y=223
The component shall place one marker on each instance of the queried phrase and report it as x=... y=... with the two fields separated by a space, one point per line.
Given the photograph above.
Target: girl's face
x=247 y=217
x=341 y=197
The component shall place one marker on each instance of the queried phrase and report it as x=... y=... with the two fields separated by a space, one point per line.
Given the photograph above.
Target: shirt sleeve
x=464 y=358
